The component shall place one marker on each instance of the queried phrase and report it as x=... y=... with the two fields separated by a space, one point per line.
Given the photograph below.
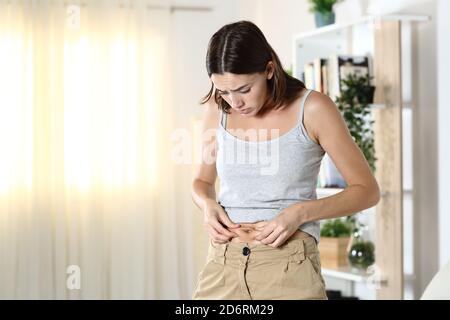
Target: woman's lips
x=245 y=111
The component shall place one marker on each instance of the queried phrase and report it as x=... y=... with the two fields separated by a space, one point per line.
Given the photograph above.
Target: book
x=326 y=75
x=340 y=66
x=325 y=79
x=310 y=83
x=319 y=84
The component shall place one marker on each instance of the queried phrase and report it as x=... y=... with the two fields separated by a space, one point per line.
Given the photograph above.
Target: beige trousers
x=244 y=271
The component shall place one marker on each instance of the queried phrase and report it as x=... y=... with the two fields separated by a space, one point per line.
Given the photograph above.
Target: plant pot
x=333 y=252
x=324 y=18
x=361 y=253
x=366 y=95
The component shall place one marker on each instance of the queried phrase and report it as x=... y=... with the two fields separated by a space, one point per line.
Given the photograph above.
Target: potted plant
x=323 y=11
x=361 y=253
x=334 y=240
x=357 y=94
x=354 y=104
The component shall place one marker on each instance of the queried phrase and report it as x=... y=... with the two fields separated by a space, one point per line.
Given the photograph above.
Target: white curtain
x=86 y=177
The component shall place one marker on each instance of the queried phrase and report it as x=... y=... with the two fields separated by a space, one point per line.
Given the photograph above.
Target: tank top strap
x=302 y=106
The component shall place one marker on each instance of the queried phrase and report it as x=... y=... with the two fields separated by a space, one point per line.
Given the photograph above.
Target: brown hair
x=241 y=48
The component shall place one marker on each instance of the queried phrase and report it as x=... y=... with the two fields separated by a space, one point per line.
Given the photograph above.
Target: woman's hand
x=276 y=231
x=214 y=220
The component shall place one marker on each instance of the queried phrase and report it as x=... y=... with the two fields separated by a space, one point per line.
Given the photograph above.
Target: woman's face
x=245 y=93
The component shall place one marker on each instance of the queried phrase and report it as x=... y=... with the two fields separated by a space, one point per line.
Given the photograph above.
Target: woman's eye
x=225 y=93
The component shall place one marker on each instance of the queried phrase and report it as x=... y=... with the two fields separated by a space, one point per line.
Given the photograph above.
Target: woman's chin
x=246 y=112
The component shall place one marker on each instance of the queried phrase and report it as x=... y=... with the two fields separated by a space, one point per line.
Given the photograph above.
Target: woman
x=264 y=228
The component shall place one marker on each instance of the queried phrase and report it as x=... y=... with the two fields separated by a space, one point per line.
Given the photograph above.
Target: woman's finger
x=271 y=238
x=280 y=240
x=218 y=235
x=226 y=221
x=264 y=233
x=220 y=229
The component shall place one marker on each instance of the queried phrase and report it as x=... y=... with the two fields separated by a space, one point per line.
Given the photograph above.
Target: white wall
x=443 y=55
x=425 y=150
x=278 y=20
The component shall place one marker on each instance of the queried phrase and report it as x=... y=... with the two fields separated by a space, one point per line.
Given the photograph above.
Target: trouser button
x=246 y=251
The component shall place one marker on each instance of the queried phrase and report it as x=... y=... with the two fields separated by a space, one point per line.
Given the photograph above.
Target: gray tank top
x=258 y=179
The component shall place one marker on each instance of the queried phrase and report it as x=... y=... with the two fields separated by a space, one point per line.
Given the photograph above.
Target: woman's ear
x=269 y=70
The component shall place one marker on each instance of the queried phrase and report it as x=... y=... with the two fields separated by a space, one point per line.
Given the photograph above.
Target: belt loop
x=220 y=252
x=299 y=252
x=217 y=252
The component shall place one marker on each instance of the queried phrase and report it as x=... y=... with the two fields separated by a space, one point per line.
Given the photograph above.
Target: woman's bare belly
x=247 y=232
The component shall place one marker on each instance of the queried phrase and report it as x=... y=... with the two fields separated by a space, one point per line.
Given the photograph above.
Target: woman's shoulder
x=318 y=107
x=313 y=101
x=317 y=103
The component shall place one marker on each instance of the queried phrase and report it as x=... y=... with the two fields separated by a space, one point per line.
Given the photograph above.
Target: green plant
x=336 y=228
x=353 y=103
x=362 y=251
x=362 y=254
x=322 y=6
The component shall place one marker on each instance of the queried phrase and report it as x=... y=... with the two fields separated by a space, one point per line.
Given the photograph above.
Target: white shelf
x=356 y=275
x=375 y=106
x=338 y=27
x=346 y=273
x=339 y=39
x=327 y=192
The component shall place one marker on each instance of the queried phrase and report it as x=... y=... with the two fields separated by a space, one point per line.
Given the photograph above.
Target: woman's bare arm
x=324 y=123
x=203 y=184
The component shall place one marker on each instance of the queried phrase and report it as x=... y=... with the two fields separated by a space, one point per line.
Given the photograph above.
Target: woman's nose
x=236 y=103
